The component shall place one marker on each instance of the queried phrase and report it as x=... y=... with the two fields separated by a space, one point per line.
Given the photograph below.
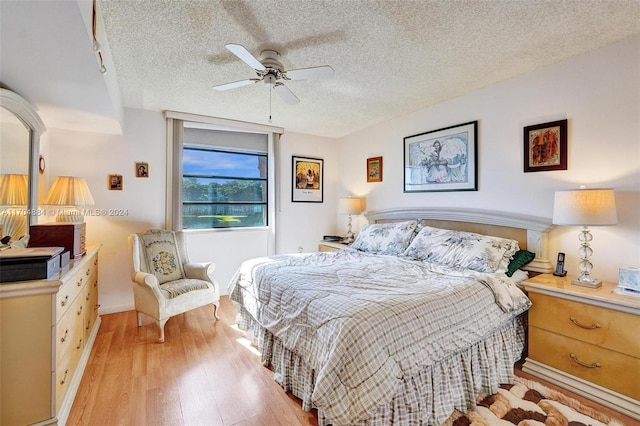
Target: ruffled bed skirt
x=426 y=398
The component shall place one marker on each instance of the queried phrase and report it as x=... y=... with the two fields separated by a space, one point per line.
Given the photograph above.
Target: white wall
x=94 y=156
x=599 y=94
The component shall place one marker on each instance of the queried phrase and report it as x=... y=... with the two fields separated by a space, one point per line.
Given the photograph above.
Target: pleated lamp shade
x=69 y=192
x=13 y=190
x=13 y=195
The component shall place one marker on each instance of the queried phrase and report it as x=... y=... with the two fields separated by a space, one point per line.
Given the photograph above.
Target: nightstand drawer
x=615 y=370
x=592 y=324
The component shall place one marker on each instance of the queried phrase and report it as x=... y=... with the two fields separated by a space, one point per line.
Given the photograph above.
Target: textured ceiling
x=390 y=57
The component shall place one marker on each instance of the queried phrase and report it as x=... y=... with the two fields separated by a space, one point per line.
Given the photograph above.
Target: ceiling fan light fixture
x=270 y=79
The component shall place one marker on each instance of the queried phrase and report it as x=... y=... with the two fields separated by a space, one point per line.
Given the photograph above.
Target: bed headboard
x=531 y=232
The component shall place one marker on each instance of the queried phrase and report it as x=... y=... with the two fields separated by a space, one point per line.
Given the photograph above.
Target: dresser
x=47 y=330
x=585 y=340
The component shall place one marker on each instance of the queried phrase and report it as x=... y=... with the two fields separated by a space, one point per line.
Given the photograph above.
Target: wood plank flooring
x=205 y=373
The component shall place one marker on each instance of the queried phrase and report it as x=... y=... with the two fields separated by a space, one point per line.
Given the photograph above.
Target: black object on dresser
x=71 y=236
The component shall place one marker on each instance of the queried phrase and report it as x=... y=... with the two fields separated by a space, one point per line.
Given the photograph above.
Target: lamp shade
x=585 y=207
x=350 y=205
x=13 y=190
x=69 y=191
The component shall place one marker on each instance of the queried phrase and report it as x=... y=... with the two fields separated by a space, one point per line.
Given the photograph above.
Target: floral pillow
x=385 y=238
x=461 y=249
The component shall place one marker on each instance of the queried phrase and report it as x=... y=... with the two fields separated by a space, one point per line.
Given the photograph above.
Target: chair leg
x=161 y=324
x=216 y=308
x=139 y=318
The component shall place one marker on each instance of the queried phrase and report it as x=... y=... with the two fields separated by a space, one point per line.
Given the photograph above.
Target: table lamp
x=14 y=195
x=69 y=192
x=585 y=207
x=350 y=206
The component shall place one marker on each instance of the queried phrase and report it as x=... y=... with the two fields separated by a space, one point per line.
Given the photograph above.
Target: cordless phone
x=560 y=272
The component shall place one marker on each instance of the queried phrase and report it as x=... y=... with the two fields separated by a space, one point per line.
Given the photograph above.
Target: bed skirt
x=426 y=398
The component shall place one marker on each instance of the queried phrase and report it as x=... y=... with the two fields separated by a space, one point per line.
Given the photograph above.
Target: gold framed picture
x=142 y=169
x=114 y=183
x=374 y=169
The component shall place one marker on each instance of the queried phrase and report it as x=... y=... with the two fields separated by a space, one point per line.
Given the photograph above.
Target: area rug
x=528 y=403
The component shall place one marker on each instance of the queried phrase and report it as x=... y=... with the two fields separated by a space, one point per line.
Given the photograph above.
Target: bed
x=412 y=321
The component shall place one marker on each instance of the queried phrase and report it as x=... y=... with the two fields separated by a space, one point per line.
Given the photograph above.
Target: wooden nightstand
x=585 y=340
x=331 y=246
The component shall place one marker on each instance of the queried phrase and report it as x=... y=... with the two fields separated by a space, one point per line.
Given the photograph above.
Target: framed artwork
x=442 y=160
x=307 y=180
x=114 y=183
x=142 y=169
x=545 y=147
x=374 y=169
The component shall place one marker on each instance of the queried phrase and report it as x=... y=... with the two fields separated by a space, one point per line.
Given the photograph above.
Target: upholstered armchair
x=165 y=283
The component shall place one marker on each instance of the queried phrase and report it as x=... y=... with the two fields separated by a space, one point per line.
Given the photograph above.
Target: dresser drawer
x=66 y=368
x=69 y=329
x=615 y=370
x=90 y=306
x=592 y=324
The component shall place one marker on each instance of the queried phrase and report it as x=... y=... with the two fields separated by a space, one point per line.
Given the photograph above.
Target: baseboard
x=105 y=310
x=599 y=394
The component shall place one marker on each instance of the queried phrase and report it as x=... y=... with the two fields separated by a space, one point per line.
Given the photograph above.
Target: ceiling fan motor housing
x=270 y=59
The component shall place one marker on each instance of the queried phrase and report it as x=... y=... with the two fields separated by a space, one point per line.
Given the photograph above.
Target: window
x=222 y=188
x=228 y=177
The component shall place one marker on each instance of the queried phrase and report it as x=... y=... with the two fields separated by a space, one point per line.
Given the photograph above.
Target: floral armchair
x=165 y=283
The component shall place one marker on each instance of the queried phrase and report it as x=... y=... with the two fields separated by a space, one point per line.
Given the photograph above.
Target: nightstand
x=331 y=246
x=585 y=340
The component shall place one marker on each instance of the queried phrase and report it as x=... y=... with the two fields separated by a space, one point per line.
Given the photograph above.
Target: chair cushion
x=162 y=255
x=176 y=288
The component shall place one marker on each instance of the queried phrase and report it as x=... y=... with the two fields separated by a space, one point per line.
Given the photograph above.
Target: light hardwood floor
x=204 y=374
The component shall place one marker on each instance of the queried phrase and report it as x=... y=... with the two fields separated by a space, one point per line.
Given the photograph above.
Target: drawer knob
x=584 y=364
x=79 y=282
x=63 y=338
x=589 y=327
x=64 y=302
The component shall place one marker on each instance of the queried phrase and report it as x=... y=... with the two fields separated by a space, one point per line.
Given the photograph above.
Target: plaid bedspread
x=363 y=322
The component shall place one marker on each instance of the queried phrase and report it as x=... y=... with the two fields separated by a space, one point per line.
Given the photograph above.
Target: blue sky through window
x=204 y=162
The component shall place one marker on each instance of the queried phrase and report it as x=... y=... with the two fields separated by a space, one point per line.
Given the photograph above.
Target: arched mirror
x=20 y=130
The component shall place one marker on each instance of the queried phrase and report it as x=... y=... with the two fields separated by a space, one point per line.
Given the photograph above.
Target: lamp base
x=69 y=215
x=593 y=283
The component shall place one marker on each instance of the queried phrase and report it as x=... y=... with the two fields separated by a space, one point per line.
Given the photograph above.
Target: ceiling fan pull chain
x=270 y=90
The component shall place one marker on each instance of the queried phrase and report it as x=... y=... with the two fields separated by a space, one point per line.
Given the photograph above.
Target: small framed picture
x=545 y=147
x=115 y=183
x=307 y=180
x=142 y=169
x=374 y=169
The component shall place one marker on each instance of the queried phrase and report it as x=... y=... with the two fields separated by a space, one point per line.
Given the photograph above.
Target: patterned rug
x=528 y=403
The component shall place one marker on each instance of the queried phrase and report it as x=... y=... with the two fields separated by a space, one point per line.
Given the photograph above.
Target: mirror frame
x=26 y=113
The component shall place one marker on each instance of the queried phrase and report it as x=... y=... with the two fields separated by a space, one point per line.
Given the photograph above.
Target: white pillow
x=519 y=275
x=461 y=249
x=385 y=238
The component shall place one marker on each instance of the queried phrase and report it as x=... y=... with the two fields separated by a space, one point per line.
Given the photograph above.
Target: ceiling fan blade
x=312 y=73
x=235 y=84
x=245 y=56
x=286 y=94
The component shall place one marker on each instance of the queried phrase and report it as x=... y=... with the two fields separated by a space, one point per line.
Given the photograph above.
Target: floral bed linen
x=364 y=322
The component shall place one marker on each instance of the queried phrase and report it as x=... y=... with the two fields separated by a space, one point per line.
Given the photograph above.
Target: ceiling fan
x=270 y=70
